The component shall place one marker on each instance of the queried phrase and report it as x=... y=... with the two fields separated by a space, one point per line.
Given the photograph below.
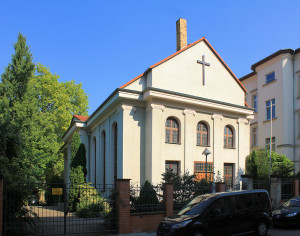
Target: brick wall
x=145 y=222
x=137 y=222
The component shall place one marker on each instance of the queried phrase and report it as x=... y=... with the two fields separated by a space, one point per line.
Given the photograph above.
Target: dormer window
x=270 y=77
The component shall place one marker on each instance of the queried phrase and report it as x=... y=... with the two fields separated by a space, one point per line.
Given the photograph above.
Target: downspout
x=294 y=112
x=213 y=152
x=238 y=169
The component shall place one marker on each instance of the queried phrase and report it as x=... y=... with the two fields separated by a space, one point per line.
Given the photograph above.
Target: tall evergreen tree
x=14 y=168
x=13 y=86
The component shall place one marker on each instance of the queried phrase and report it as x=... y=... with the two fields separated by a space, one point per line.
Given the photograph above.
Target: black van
x=228 y=213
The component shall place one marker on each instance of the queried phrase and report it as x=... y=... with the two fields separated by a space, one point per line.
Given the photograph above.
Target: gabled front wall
x=184 y=75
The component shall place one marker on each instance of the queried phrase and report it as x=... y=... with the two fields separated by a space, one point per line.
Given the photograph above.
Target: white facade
x=284 y=89
x=172 y=88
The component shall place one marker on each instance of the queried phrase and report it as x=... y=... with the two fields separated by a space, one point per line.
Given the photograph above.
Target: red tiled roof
x=183 y=49
x=81 y=118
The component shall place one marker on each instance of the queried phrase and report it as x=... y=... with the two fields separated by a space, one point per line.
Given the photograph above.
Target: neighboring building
x=166 y=117
x=274 y=91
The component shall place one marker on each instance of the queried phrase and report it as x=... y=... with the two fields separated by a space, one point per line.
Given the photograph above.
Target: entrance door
x=228 y=174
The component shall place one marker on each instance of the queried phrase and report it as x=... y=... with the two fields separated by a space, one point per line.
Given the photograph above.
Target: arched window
x=103 y=148
x=115 y=150
x=202 y=134
x=172 y=131
x=228 y=137
x=95 y=159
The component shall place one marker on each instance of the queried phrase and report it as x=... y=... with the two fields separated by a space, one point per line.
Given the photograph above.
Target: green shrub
x=90 y=203
x=147 y=195
x=77 y=179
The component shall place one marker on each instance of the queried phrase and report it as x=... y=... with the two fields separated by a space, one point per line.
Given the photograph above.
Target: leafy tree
x=258 y=164
x=48 y=108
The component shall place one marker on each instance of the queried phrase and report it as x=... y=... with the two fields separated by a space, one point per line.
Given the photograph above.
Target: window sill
x=266 y=121
x=173 y=143
x=273 y=81
x=229 y=148
x=202 y=145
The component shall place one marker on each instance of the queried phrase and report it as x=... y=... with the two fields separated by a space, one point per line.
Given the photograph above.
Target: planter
x=220 y=187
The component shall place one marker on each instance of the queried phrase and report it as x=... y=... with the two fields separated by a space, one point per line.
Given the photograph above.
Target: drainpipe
x=294 y=112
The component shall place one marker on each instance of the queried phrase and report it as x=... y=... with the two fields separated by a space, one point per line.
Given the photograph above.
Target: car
x=288 y=214
x=226 y=213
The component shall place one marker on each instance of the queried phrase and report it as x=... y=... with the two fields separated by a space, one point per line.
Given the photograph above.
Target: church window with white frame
x=172 y=130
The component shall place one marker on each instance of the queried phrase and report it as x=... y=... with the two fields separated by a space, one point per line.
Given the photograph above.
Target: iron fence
x=287 y=188
x=147 y=198
x=183 y=194
x=58 y=209
x=262 y=184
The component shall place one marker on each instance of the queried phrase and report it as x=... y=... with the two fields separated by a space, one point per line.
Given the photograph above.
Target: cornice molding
x=156 y=106
x=189 y=111
x=217 y=116
x=243 y=120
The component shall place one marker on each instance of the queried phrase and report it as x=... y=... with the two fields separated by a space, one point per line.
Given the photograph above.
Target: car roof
x=233 y=193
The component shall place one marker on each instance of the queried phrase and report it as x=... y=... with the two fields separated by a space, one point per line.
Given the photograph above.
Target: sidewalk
x=140 y=234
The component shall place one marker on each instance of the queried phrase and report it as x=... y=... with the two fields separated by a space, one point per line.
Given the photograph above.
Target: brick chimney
x=181 y=33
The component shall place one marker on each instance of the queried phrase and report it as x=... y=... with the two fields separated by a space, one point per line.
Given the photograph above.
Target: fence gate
x=59 y=209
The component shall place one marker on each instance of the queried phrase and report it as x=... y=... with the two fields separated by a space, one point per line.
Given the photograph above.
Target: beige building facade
x=165 y=118
x=274 y=92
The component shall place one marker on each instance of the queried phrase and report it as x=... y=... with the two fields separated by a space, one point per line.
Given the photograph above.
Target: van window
x=261 y=200
x=224 y=204
x=243 y=201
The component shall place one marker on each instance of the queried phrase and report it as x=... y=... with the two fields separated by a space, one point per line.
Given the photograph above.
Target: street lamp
x=206 y=152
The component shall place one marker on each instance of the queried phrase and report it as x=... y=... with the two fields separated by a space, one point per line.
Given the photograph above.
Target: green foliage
x=147 y=195
x=78 y=154
x=48 y=107
x=76 y=178
x=186 y=187
x=78 y=170
x=13 y=164
x=90 y=203
x=258 y=164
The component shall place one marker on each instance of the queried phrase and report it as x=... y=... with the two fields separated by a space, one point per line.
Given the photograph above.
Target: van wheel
x=262 y=229
x=199 y=233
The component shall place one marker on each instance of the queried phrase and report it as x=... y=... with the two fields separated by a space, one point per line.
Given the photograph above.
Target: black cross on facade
x=203 y=67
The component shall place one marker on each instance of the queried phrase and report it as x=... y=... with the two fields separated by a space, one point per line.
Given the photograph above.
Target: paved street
x=283 y=232
x=272 y=232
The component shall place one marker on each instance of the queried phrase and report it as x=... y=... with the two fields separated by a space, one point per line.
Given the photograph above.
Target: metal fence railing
x=262 y=184
x=147 y=198
x=287 y=188
x=183 y=194
x=58 y=209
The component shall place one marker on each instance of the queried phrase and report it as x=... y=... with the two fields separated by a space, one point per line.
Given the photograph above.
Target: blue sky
x=104 y=44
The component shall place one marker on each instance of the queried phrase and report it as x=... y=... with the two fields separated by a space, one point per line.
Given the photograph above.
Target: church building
x=165 y=118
